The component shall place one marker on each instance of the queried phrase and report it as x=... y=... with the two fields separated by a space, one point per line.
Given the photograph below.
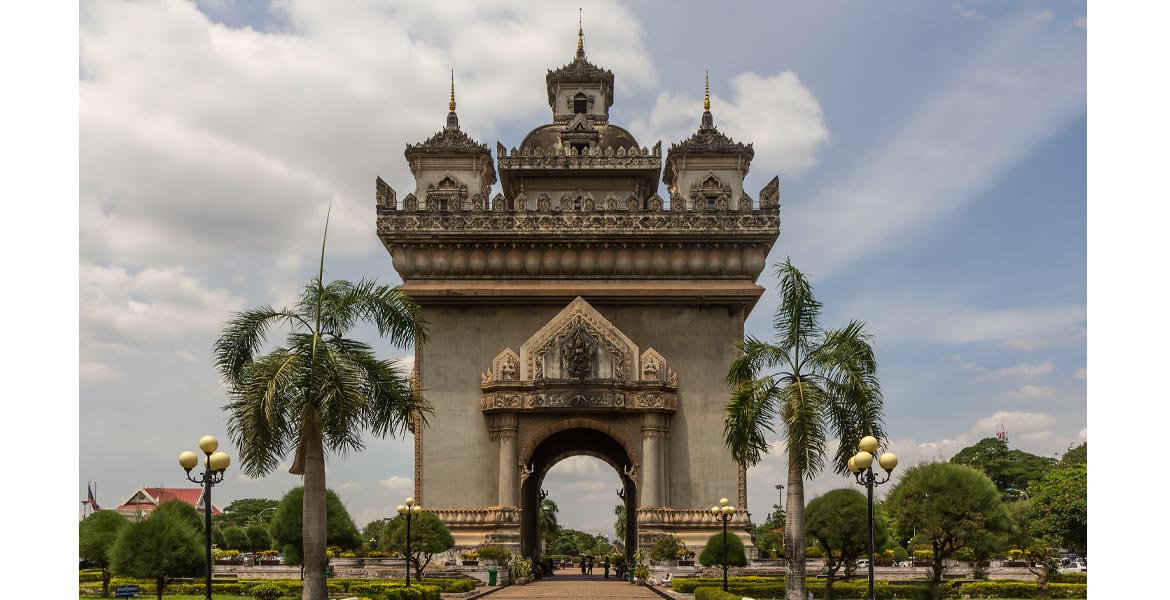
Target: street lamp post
x=723 y=513
x=861 y=465
x=214 y=464
x=408 y=510
x=780 y=494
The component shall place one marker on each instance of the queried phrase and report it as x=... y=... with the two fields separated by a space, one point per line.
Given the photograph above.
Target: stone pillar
x=504 y=430
x=654 y=432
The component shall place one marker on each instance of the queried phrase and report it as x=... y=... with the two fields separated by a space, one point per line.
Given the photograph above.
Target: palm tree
x=813 y=382
x=318 y=392
x=619 y=524
x=546 y=521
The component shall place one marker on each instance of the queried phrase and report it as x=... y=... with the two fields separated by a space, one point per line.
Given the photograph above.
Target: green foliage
x=372 y=532
x=667 y=548
x=1076 y=456
x=1020 y=589
x=565 y=544
x=714 y=593
x=950 y=507
x=619 y=522
x=217 y=538
x=287 y=528
x=266 y=591
x=521 y=567
x=900 y=554
x=769 y=541
x=258 y=538
x=713 y=553
x=96 y=535
x=245 y=512
x=160 y=548
x=497 y=553
x=428 y=536
x=546 y=520
x=183 y=511
x=235 y=538
x=839 y=522
x=1007 y=468
x=1059 y=510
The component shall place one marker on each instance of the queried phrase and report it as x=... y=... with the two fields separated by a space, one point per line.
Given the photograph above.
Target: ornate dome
x=548 y=136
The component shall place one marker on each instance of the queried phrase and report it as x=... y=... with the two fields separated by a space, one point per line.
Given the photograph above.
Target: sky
x=931 y=155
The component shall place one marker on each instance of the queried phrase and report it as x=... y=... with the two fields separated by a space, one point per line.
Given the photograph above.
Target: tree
x=428 y=536
x=161 y=548
x=372 y=532
x=1076 y=456
x=667 y=548
x=320 y=391
x=288 y=526
x=839 y=522
x=1008 y=469
x=96 y=535
x=245 y=512
x=820 y=382
x=712 y=555
x=217 y=538
x=183 y=511
x=947 y=507
x=565 y=545
x=235 y=538
x=1059 y=511
x=546 y=521
x=258 y=538
x=619 y=524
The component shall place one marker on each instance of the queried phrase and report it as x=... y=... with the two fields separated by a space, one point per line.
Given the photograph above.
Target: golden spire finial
x=707 y=91
x=451 y=104
x=580 y=34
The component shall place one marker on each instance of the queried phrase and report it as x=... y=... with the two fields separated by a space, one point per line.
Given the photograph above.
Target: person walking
x=590 y=566
x=605 y=565
x=582 y=564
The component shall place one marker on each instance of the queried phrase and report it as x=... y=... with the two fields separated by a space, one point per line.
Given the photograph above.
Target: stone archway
x=559 y=445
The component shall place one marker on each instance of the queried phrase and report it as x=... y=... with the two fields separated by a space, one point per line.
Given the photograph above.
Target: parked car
x=1076 y=565
x=861 y=565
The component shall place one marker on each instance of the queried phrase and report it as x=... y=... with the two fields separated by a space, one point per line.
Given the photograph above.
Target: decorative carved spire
x=452 y=118
x=580 y=36
x=707 y=121
x=706 y=91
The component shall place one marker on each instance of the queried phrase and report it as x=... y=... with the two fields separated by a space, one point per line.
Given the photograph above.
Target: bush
x=1021 y=589
x=266 y=591
x=668 y=548
x=687 y=585
x=713 y=552
x=89 y=575
x=496 y=553
x=1069 y=578
x=715 y=593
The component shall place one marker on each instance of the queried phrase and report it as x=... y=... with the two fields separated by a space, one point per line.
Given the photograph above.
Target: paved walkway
x=576 y=587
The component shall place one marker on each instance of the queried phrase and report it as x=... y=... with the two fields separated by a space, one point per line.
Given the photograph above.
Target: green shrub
x=715 y=593
x=1069 y=578
x=687 y=585
x=713 y=553
x=89 y=575
x=667 y=548
x=1021 y=589
x=496 y=553
x=266 y=591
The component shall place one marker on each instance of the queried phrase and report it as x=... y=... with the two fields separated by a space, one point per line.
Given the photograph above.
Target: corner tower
x=578 y=312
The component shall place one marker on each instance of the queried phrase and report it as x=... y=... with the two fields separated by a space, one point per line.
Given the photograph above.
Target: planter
x=686 y=563
x=639 y=581
x=471 y=563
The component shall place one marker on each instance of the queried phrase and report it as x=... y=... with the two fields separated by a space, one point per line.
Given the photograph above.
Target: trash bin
x=491 y=577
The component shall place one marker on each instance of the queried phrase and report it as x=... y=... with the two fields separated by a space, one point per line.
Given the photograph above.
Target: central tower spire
x=452 y=118
x=580 y=36
x=708 y=120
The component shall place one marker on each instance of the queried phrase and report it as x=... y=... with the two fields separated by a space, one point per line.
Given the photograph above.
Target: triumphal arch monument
x=578 y=312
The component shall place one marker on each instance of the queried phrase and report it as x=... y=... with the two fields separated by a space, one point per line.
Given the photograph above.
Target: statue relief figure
x=650 y=370
x=578 y=356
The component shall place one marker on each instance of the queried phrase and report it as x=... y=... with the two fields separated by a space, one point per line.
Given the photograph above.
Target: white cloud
x=347 y=486
x=1025 y=370
x=1013 y=421
x=97 y=372
x=398 y=486
x=968 y=14
x=1081 y=374
x=778 y=115
x=1023 y=344
x=1081 y=23
x=1033 y=391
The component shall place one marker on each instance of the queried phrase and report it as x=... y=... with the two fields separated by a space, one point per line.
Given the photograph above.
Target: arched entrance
x=559 y=446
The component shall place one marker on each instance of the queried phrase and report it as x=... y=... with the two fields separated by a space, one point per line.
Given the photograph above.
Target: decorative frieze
x=477 y=517
x=682 y=518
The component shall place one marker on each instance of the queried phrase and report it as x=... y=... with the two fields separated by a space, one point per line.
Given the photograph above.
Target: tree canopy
x=1076 y=456
x=428 y=536
x=235 y=538
x=246 y=511
x=947 y=507
x=258 y=538
x=186 y=512
x=96 y=535
x=161 y=548
x=1007 y=468
x=286 y=527
x=1059 y=509
x=839 y=522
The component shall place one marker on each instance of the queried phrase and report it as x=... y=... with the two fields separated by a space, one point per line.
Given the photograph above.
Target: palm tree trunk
x=795 y=582
x=313 y=527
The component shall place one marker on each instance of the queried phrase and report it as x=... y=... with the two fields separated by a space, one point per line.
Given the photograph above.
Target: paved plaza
x=583 y=587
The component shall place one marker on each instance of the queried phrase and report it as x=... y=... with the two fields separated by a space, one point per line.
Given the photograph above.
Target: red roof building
x=139 y=505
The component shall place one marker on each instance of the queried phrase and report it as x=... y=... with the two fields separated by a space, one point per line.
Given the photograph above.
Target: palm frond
x=748 y=415
x=802 y=410
x=259 y=411
x=845 y=363
x=342 y=396
x=796 y=316
x=755 y=356
x=243 y=335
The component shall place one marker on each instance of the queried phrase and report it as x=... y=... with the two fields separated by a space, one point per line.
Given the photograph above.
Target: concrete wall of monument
x=461 y=463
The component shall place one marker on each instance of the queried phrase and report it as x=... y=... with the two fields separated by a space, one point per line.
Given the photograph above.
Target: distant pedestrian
x=590 y=565
x=605 y=565
x=582 y=564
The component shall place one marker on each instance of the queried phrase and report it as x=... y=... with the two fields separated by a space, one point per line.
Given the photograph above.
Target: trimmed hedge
x=1069 y=578
x=859 y=589
x=687 y=585
x=716 y=593
x=1021 y=589
x=89 y=576
x=427 y=589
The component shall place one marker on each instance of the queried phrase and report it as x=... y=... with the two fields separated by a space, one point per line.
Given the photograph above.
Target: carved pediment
x=505 y=367
x=577 y=334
